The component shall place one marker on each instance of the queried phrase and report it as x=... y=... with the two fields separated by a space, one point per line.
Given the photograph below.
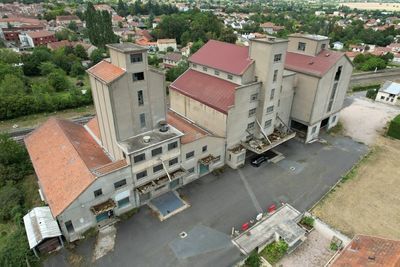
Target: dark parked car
x=257 y=160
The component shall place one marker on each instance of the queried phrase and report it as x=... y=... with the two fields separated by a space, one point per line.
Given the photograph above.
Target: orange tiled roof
x=63 y=154
x=192 y=132
x=369 y=251
x=40 y=34
x=93 y=125
x=110 y=167
x=106 y=71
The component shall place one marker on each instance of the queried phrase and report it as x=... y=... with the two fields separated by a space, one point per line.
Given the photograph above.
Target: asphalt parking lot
x=219 y=203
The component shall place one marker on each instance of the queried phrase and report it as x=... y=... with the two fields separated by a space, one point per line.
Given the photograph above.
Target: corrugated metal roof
x=39 y=225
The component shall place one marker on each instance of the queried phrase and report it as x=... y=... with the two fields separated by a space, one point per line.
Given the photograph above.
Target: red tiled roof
x=63 y=154
x=174 y=56
x=39 y=34
x=110 y=167
x=67 y=18
x=223 y=56
x=314 y=65
x=191 y=131
x=106 y=71
x=93 y=125
x=369 y=251
x=209 y=90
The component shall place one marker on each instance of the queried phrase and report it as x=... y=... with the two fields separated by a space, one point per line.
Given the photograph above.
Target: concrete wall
x=79 y=212
x=203 y=115
x=386 y=98
x=156 y=94
x=313 y=47
x=285 y=101
x=222 y=74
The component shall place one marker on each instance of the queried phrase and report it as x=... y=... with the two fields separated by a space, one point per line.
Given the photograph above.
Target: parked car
x=258 y=160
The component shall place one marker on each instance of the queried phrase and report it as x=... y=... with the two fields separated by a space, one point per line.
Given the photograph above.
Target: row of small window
x=252 y=125
x=154 y=152
x=117 y=185
x=216 y=72
x=302 y=46
x=156 y=169
x=254 y=97
x=190 y=154
x=252 y=112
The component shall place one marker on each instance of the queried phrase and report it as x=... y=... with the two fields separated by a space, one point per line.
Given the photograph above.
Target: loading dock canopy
x=260 y=146
x=40 y=225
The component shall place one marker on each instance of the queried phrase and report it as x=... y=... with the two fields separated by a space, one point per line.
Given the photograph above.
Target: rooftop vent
x=163 y=126
x=146 y=139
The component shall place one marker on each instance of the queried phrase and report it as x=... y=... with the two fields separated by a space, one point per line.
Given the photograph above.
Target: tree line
x=147 y=8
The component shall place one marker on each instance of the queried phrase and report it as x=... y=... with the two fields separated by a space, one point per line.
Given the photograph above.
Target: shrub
x=394 y=128
x=371 y=93
x=11 y=199
x=253 y=260
x=365 y=87
x=275 y=251
x=308 y=221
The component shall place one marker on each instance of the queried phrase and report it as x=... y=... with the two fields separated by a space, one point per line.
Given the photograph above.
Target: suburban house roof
x=67 y=18
x=314 y=65
x=166 y=41
x=223 y=56
x=63 y=154
x=40 y=34
x=390 y=88
x=209 y=90
x=173 y=56
x=191 y=131
x=369 y=251
x=39 y=225
x=106 y=72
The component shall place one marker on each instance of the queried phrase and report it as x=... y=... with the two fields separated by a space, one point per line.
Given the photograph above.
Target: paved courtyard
x=219 y=203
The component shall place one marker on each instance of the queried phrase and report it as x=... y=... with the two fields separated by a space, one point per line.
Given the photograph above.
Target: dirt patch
x=369 y=201
x=105 y=242
x=365 y=119
x=314 y=251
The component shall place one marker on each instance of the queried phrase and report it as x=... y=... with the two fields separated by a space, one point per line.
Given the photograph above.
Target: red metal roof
x=191 y=131
x=315 y=65
x=209 y=90
x=227 y=57
x=106 y=71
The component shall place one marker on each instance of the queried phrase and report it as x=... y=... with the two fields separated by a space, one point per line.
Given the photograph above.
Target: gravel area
x=313 y=252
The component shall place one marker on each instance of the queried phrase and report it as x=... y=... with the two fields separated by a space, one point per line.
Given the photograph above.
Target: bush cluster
x=394 y=128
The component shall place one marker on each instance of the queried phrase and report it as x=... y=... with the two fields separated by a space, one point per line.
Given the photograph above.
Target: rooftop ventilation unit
x=163 y=126
x=146 y=139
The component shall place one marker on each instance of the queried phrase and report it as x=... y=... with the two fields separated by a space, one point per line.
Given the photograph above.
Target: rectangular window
x=216 y=72
x=251 y=125
x=173 y=145
x=230 y=76
x=172 y=162
x=323 y=46
x=119 y=184
x=140 y=97
x=272 y=95
x=267 y=123
x=136 y=58
x=275 y=76
x=252 y=112
x=332 y=98
x=139 y=158
x=69 y=227
x=194 y=66
x=254 y=97
x=313 y=130
x=301 y=46
x=156 y=151
x=191 y=170
x=157 y=168
x=138 y=76
x=123 y=202
x=205 y=68
x=277 y=58
x=98 y=192
x=190 y=155
x=142 y=120
x=141 y=175
x=204 y=149
x=270 y=109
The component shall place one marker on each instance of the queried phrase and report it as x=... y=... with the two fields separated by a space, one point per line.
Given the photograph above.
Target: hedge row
x=365 y=87
x=20 y=105
x=394 y=128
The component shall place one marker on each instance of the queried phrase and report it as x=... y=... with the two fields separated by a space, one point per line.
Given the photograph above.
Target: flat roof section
x=126 y=47
x=283 y=222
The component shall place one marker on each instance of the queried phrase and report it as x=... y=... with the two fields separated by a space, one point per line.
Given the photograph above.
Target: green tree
x=41 y=87
x=10 y=198
x=173 y=73
x=72 y=26
x=9 y=57
x=59 y=81
x=46 y=68
x=96 y=56
x=196 y=46
x=77 y=69
x=81 y=52
x=11 y=85
x=122 y=8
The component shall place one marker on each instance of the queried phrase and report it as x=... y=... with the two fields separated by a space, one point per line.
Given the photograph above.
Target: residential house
x=59 y=44
x=389 y=93
x=163 y=44
x=105 y=7
x=338 y=45
x=66 y=20
x=186 y=50
x=37 y=38
x=271 y=28
x=171 y=59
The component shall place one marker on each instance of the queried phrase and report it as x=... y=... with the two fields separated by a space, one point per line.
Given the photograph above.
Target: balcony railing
x=159 y=182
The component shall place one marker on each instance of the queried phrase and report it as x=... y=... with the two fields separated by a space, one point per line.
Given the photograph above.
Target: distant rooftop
x=391 y=88
x=315 y=37
x=126 y=47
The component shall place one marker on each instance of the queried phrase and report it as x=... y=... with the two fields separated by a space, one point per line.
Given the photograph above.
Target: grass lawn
x=30 y=188
x=36 y=119
x=367 y=201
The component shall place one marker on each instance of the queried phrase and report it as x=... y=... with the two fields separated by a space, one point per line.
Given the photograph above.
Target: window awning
x=103 y=207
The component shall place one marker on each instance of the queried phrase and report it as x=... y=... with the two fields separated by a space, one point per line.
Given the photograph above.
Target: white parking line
x=250 y=191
